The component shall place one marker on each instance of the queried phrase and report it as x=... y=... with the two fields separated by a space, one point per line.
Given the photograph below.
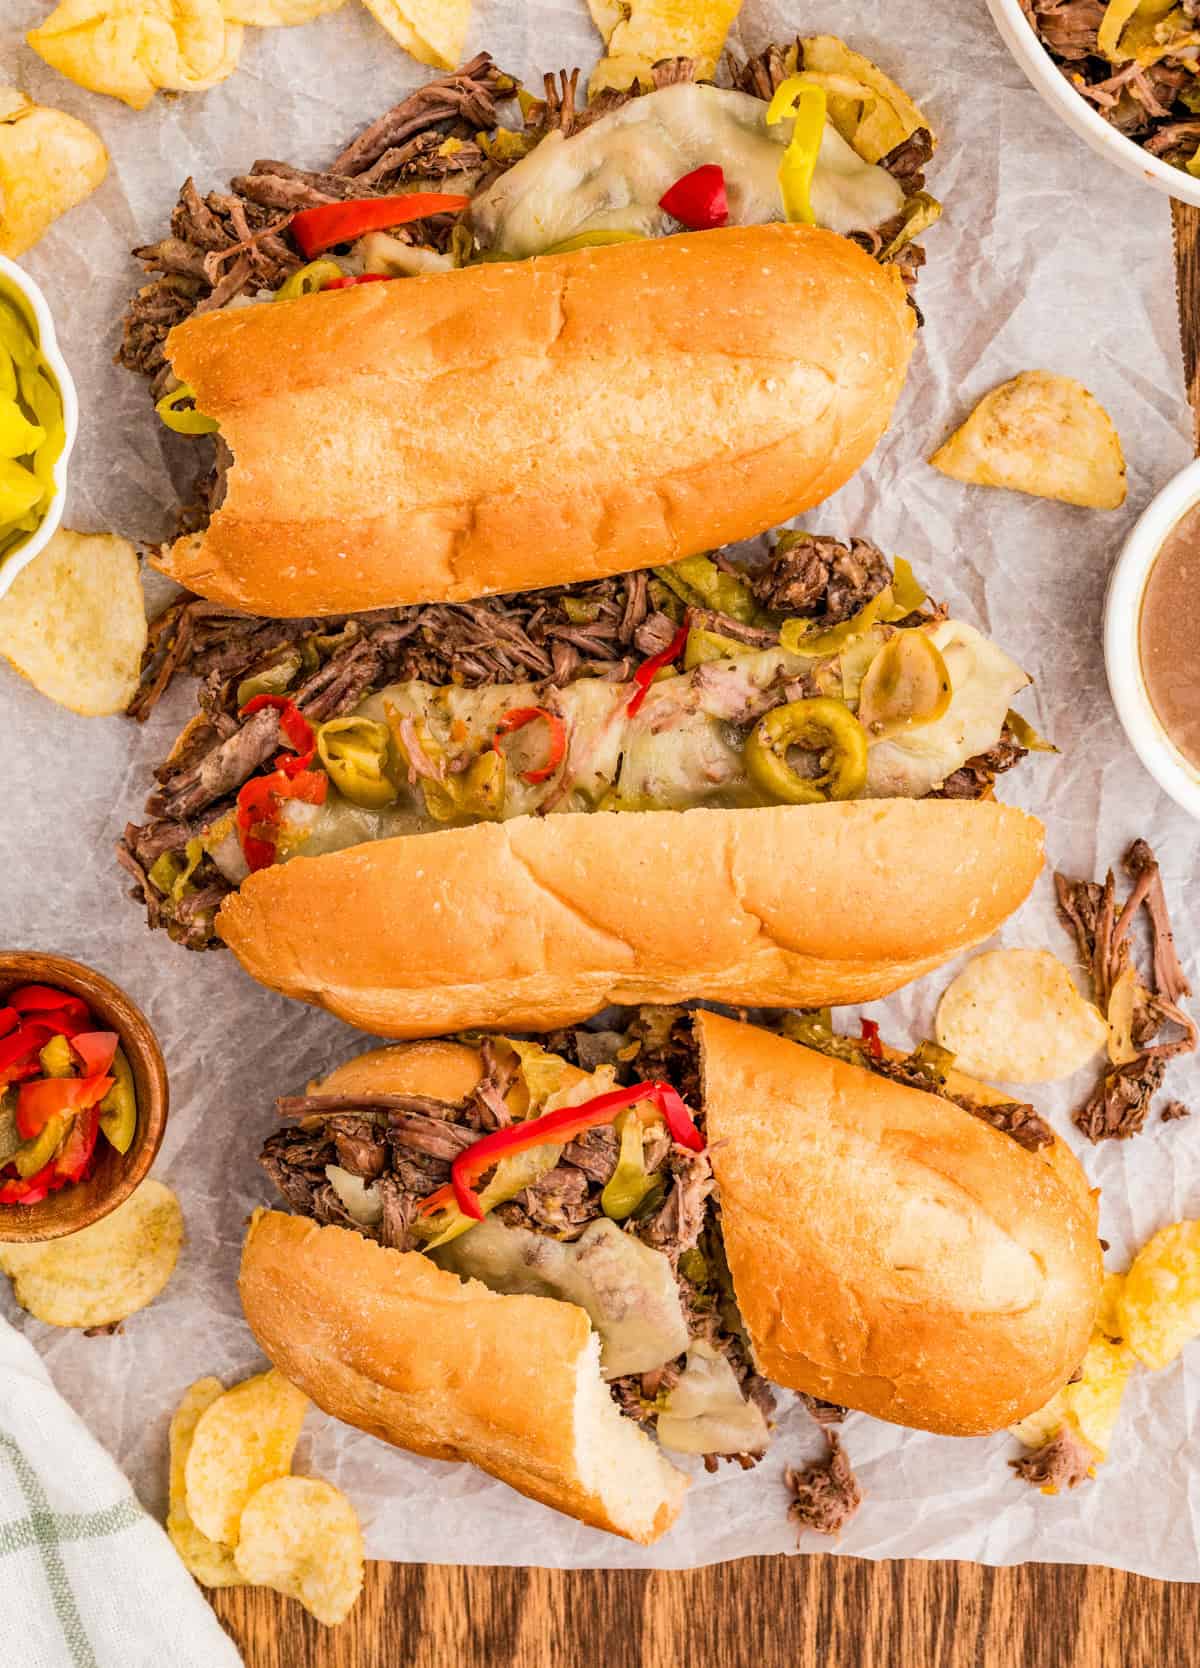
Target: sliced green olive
x=907 y=683
x=309 y=279
x=355 y=753
x=821 y=725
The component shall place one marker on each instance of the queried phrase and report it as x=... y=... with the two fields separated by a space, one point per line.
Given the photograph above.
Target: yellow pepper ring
x=821 y=723
x=806 y=101
x=309 y=280
x=187 y=421
x=354 y=752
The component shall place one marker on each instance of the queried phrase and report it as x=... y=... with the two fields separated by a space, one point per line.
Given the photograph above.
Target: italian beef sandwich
x=535 y=1255
x=765 y=785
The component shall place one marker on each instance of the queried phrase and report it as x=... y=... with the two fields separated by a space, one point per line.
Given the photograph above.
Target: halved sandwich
x=762 y=785
x=534 y=1254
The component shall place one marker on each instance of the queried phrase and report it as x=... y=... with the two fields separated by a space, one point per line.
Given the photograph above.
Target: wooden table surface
x=818 y=1611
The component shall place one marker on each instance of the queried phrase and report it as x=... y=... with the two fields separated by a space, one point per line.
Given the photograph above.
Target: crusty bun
x=542 y=921
x=409 y=1352
x=890 y=1251
x=515 y=425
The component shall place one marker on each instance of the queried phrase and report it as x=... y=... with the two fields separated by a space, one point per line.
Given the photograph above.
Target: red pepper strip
x=95 y=1050
x=296 y=729
x=517 y=719
x=362 y=278
x=43 y=1099
x=9 y=1020
x=563 y=1125
x=870 y=1036
x=259 y=802
x=698 y=199
x=29 y=1190
x=30 y=999
x=645 y=674
x=318 y=229
x=14 y=1074
x=21 y=1044
x=72 y=1162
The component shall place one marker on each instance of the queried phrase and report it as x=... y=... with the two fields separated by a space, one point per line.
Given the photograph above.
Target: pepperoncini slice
x=907 y=683
x=1024 y=734
x=118 y=1109
x=186 y=420
x=20 y=491
x=698 y=579
x=36 y=1154
x=355 y=753
x=275 y=679
x=598 y=239
x=630 y=1182
x=819 y=725
x=902 y=597
x=806 y=101
x=19 y=437
x=308 y=280
x=708 y=645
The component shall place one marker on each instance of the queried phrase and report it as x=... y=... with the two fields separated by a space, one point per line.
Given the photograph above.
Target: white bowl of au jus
x=1152 y=638
x=20 y=291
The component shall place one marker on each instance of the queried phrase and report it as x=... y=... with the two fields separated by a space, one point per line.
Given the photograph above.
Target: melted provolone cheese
x=627 y=1289
x=611 y=176
x=706 y=1412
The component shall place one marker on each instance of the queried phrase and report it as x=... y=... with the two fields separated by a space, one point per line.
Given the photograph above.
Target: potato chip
x=74 y=622
x=1090 y=1406
x=638 y=33
x=131 y=48
x=866 y=106
x=49 y=162
x=103 y=1273
x=269 y=14
x=209 y=1561
x=1042 y=434
x=431 y=31
x=302 y=1538
x=245 y=1439
x=1160 y=1303
x=1016 y=1015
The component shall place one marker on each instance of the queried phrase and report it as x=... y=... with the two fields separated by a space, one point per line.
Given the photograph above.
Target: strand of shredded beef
x=1118 y=1106
x=825 y=1493
x=1063 y=1462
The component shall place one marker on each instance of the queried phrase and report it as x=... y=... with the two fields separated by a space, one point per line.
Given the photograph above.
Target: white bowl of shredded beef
x=1123 y=646
x=1144 y=116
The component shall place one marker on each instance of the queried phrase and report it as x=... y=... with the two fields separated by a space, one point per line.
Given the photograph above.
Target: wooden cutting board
x=811 y=1612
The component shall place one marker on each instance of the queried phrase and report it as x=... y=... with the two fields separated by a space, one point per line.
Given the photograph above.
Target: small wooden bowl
x=115 y=1175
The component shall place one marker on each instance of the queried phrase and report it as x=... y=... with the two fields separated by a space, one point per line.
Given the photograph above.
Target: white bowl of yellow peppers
x=39 y=419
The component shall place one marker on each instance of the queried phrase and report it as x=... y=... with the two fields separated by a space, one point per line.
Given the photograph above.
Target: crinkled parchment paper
x=1046 y=257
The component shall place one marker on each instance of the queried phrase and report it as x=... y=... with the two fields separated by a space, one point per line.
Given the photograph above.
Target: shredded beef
x=1010 y=1117
x=825 y=1413
x=675 y=1226
x=1153 y=104
x=825 y=1493
x=1063 y=1462
x=1174 y=1110
x=974 y=779
x=820 y=577
x=1118 y=1105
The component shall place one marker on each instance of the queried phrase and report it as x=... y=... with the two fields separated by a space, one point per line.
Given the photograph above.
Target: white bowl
x=1122 y=610
x=1045 y=75
x=20 y=558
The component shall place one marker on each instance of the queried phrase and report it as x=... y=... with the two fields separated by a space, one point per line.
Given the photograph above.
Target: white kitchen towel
x=87 y=1578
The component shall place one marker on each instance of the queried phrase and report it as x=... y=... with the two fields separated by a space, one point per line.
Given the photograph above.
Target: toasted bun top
x=890 y=1251
x=513 y=425
x=542 y=921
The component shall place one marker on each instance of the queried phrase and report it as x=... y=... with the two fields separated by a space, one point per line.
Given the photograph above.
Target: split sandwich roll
x=543 y=921
x=673 y=1212
x=536 y=422
x=766 y=784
